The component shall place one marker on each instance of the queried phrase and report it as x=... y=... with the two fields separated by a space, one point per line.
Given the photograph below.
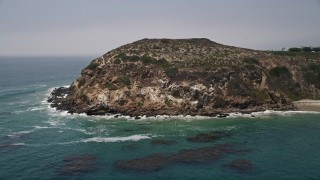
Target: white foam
x=19 y=112
x=168 y=118
x=18 y=144
x=44 y=101
x=19 y=102
x=18 y=134
x=42 y=127
x=56 y=113
x=37 y=109
x=187 y=118
x=63 y=128
x=79 y=130
x=116 y=139
x=48 y=92
x=55 y=123
x=13 y=136
x=24 y=132
x=41 y=85
x=266 y=113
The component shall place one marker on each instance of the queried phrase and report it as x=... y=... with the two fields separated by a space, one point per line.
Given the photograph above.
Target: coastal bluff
x=190 y=77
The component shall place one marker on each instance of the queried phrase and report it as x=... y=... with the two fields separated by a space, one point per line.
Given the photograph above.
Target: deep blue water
x=37 y=142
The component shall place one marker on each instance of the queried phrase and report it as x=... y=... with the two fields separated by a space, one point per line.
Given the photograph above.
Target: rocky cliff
x=190 y=77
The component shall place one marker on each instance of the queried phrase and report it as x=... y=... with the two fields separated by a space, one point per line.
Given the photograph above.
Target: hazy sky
x=93 y=27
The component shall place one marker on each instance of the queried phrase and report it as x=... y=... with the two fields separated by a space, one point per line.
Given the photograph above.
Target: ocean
x=38 y=142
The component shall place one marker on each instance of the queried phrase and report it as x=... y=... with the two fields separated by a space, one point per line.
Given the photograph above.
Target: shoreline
x=255 y=114
x=58 y=99
x=307 y=105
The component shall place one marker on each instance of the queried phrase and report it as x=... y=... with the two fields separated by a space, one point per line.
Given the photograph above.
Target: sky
x=94 y=27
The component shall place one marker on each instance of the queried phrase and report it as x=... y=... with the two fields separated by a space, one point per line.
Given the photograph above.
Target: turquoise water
x=37 y=142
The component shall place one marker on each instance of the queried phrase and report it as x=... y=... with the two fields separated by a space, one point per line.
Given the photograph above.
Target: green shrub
x=156 y=47
x=279 y=71
x=295 y=49
x=250 y=67
x=121 y=55
x=312 y=74
x=111 y=86
x=146 y=60
x=165 y=41
x=311 y=77
x=284 y=53
x=280 y=79
x=171 y=72
x=126 y=81
x=316 y=49
x=250 y=61
x=117 y=61
x=134 y=58
x=262 y=96
x=314 y=67
x=306 y=49
x=140 y=104
x=167 y=102
x=162 y=62
x=92 y=66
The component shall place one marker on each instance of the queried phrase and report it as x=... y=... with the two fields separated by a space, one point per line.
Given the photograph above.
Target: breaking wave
x=116 y=139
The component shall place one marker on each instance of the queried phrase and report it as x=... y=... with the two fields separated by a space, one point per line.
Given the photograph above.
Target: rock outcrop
x=190 y=77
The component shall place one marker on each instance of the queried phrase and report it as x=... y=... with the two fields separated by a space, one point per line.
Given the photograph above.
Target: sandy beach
x=307 y=105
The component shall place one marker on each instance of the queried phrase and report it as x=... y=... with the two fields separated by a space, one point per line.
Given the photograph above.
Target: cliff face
x=190 y=76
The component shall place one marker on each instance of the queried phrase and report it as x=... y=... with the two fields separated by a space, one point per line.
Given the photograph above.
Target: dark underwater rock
x=10 y=146
x=241 y=165
x=5 y=114
x=129 y=130
x=208 y=137
x=202 y=137
x=202 y=154
x=78 y=164
x=79 y=158
x=129 y=147
x=16 y=137
x=158 y=161
x=162 y=142
x=149 y=163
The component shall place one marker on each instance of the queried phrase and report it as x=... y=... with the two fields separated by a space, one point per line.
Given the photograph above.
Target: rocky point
x=189 y=77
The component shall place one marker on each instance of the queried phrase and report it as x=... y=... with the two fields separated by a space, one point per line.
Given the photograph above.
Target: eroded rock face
x=189 y=76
